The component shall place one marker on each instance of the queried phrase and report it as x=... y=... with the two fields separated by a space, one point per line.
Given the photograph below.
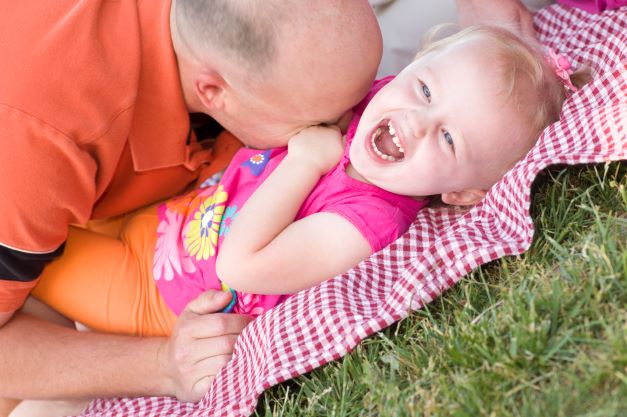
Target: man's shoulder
x=73 y=66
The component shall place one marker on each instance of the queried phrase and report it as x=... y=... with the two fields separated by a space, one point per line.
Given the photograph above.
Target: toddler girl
x=282 y=220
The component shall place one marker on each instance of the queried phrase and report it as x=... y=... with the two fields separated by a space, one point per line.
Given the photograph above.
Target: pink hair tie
x=562 y=67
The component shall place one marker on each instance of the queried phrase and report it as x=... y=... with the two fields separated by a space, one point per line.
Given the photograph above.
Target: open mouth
x=385 y=144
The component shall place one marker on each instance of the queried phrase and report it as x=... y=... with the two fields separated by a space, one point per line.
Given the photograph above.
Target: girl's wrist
x=301 y=163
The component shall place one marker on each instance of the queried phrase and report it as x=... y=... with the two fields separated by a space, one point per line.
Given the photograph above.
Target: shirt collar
x=161 y=124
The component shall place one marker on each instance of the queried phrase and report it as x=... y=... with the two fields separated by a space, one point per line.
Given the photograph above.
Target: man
x=94 y=98
x=94 y=102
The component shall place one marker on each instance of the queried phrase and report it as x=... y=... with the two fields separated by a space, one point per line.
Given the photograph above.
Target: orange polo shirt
x=92 y=124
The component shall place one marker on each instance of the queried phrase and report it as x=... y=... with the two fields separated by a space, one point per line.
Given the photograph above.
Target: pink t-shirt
x=192 y=227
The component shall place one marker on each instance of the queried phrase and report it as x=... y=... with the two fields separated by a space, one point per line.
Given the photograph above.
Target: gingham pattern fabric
x=325 y=322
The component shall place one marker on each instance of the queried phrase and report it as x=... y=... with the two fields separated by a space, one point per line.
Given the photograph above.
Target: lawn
x=541 y=334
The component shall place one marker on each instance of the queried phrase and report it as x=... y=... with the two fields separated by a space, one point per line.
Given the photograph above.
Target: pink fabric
x=594 y=6
x=325 y=322
x=192 y=227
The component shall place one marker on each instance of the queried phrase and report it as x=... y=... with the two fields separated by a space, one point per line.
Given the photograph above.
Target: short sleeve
x=379 y=222
x=47 y=183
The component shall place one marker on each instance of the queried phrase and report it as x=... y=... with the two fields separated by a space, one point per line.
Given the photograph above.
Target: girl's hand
x=321 y=146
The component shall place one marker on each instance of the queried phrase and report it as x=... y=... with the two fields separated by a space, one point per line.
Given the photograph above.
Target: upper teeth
x=395 y=139
x=391 y=129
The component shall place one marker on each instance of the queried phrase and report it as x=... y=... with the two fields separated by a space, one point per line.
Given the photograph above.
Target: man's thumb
x=210 y=301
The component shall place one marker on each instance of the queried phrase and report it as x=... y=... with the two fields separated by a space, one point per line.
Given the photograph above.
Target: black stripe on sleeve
x=23 y=266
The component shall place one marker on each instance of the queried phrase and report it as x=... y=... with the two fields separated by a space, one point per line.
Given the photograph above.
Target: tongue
x=387 y=146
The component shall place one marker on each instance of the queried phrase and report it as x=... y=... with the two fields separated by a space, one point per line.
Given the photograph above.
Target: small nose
x=418 y=123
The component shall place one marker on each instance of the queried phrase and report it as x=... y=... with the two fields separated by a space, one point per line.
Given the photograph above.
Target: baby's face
x=442 y=125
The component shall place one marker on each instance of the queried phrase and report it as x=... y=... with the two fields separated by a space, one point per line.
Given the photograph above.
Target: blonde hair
x=527 y=78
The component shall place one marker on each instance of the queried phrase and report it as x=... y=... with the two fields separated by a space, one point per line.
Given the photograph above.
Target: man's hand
x=201 y=344
x=319 y=145
x=510 y=13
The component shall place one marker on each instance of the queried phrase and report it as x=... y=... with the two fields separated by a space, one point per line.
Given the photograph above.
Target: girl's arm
x=266 y=252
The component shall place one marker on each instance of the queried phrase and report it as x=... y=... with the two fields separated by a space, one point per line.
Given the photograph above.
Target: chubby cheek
x=430 y=175
x=357 y=149
x=357 y=160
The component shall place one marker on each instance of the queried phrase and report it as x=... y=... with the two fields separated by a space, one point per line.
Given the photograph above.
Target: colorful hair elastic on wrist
x=231 y=305
x=562 y=67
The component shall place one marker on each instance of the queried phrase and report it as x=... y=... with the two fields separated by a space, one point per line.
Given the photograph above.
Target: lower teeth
x=381 y=154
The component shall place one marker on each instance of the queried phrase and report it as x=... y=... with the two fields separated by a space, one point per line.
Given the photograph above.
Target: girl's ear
x=210 y=88
x=463 y=198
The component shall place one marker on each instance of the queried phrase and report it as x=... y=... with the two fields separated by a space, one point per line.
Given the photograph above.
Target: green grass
x=541 y=334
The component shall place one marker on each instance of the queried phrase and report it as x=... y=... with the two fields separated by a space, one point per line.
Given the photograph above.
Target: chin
x=252 y=142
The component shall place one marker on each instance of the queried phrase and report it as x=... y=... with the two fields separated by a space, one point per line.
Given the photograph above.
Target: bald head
x=241 y=30
x=313 y=59
x=252 y=31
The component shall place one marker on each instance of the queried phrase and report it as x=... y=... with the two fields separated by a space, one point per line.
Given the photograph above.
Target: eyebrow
x=432 y=77
x=462 y=151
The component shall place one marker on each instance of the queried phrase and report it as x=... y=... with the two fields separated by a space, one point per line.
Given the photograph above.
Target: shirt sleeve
x=47 y=183
x=19 y=272
x=379 y=222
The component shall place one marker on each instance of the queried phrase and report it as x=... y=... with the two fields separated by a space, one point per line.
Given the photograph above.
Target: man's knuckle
x=220 y=325
x=185 y=368
x=186 y=329
x=180 y=354
x=225 y=344
x=230 y=342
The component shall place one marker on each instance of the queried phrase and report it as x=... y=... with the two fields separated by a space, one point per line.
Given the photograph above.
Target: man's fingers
x=213 y=325
x=201 y=344
x=211 y=366
x=192 y=326
x=210 y=301
x=203 y=349
x=203 y=374
x=201 y=387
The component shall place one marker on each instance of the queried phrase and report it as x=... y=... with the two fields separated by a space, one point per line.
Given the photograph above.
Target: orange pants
x=105 y=282
x=104 y=277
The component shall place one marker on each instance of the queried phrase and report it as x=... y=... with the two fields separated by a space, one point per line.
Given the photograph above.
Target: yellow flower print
x=201 y=233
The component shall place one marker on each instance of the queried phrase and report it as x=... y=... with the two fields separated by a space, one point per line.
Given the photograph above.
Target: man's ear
x=210 y=88
x=463 y=198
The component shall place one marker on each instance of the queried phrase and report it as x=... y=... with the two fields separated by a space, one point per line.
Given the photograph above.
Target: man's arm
x=41 y=360
x=4 y=317
x=508 y=12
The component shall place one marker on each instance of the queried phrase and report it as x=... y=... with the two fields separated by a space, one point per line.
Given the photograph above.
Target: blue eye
x=448 y=138
x=426 y=91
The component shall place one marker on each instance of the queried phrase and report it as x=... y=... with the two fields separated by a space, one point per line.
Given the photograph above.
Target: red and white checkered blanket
x=322 y=324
